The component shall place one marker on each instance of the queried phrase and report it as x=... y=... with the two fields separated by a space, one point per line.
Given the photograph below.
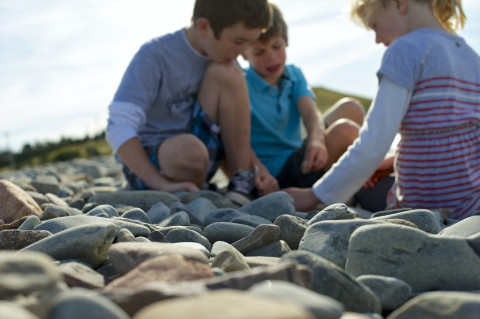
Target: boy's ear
x=202 y=25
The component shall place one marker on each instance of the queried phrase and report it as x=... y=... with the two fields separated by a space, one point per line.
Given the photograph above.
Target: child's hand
x=305 y=199
x=316 y=155
x=265 y=183
x=384 y=169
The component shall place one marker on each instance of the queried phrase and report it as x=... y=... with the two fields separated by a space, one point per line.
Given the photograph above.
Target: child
x=429 y=91
x=179 y=92
x=279 y=100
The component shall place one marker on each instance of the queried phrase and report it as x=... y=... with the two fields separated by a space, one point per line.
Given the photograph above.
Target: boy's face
x=268 y=59
x=232 y=42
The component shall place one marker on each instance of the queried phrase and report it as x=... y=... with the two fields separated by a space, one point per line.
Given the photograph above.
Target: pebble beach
x=75 y=244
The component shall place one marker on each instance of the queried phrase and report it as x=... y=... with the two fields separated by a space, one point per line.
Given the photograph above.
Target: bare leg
x=184 y=158
x=346 y=108
x=339 y=136
x=224 y=97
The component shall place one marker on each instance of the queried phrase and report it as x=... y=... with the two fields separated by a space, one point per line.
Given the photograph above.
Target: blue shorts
x=203 y=128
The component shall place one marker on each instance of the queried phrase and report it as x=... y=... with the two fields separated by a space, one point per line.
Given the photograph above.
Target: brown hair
x=278 y=27
x=448 y=12
x=225 y=13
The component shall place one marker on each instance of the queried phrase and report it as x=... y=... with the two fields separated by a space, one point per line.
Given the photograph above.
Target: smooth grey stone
x=323 y=307
x=228 y=232
x=218 y=247
x=270 y=206
x=88 y=243
x=105 y=208
x=92 y=170
x=180 y=218
x=262 y=261
x=464 y=228
x=292 y=229
x=158 y=212
x=242 y=280
x=30 y=223
x=104 y=181
x=333 y=212
x=124 y=236
x=274 y=249
x=11 y=310
x=330 y=238
x=392 y=292
x=250 y=220
x=428 y=221
x=221 y=215
x=440 y=304
x=157 y=236
x=230 y=260
x=55 y=199
x=78 y=303
x=54 y=211
x=187 y=235
x=136 y=214
x=39 y=198
x=46 y=184
x=76 y=274
x=24 y=273
x=141 y=199
x=141 y=239
x=217 y=199
x=389 y=212
x=62 y=223
x=200 y=208
x=165 y=230
x=126 y=256
x=193 y=245
x=424 y=261
x=260 y=236
x=333 y=281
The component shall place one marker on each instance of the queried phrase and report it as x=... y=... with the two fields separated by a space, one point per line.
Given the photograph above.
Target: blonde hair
x=224 y=14
x=448 y=12
x=278 y=27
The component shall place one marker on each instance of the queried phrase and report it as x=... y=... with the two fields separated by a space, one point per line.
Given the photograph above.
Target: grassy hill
x=67 y=149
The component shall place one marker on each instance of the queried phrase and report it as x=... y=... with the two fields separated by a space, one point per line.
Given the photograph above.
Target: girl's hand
x=384 y=169
x=305 y=199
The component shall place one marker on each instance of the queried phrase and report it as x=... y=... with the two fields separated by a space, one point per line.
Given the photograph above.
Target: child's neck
x=194 y=39
x=421 y=16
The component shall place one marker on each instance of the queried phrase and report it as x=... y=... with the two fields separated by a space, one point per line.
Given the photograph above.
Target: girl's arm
x=316 y=154
x=362 y=158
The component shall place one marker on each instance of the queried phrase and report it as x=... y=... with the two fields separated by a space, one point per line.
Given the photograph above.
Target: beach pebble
x=424 y=261
x=16 y=203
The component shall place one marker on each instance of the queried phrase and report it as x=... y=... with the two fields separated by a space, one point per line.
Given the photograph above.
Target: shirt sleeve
x=301 y=87
x=135 y=94
x=363 y=157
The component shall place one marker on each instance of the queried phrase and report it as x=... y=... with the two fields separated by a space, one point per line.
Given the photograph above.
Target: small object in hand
x=303 y=167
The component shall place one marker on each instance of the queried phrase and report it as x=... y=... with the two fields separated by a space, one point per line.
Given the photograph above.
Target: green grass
x=326 y=98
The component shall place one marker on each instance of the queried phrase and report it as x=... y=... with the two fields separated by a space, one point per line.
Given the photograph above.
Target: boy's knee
x=187 y=151
x=224 y=73
x=345 y=129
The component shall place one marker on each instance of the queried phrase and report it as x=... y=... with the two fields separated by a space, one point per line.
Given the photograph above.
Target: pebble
x=76 y=244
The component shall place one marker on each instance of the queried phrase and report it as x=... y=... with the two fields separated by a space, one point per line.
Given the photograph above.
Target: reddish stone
x=15 y=203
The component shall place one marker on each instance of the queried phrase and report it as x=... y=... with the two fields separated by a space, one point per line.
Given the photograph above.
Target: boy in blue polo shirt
x=279 y=100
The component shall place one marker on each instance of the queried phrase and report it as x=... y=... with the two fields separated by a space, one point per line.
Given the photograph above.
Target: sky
x=61 y=61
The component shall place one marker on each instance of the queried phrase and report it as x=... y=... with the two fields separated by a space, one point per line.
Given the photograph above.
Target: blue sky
x=61 y=60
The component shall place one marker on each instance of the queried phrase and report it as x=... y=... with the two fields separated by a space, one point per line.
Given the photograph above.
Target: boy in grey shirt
x=182 y=104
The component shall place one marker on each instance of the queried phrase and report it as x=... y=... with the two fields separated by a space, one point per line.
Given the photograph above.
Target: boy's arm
x=134 y=156
x=316 y=153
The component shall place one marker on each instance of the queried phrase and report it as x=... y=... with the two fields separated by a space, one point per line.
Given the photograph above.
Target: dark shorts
x=203 y=128
x=291 y=174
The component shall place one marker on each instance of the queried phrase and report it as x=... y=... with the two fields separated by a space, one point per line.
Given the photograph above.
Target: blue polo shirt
x=276 y=123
